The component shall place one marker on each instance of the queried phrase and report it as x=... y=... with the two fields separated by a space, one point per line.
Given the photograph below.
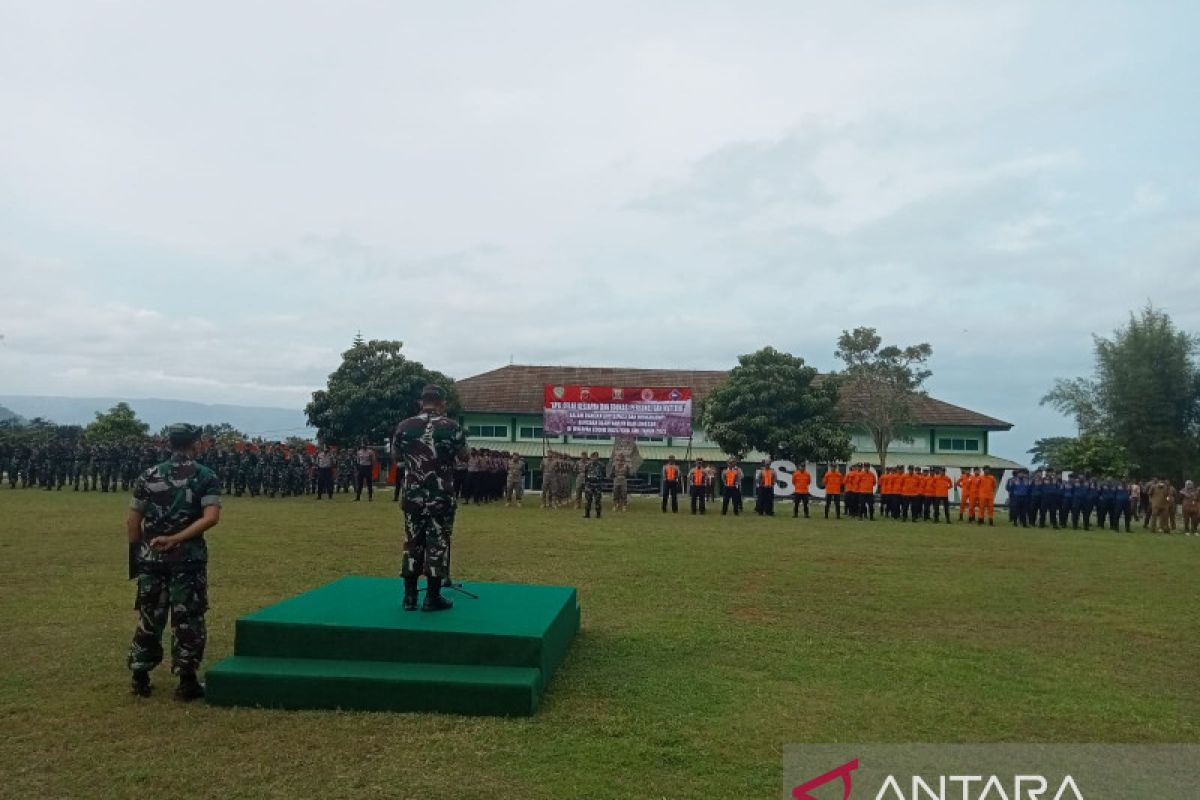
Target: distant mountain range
x=6 y=413
x=251 y=420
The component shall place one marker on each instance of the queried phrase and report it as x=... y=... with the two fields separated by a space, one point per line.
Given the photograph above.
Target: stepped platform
x=349 y=645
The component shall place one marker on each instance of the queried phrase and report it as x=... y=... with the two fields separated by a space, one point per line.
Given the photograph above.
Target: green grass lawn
x=707 y=644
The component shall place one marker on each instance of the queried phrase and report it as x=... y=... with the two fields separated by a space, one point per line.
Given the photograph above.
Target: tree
x=119 y=422
x=773 y=403
x=882 y=384
x=1096 y=454
x=222 y=434
x=1048 y=452
x=374 y=388
x=1144 y=395
x=1078 y=398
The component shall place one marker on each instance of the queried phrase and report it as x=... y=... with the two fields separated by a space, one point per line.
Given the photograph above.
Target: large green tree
x=1047 y=453
x=374 y=388
x=774 y=403
x=119 y=422
x=883 y=385
x=1144 y=394
x=1089 y=454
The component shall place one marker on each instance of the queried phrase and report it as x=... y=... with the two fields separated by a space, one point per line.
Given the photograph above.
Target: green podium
x=349 y=645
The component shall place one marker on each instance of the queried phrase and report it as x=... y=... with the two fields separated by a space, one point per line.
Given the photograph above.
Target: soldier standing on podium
x=431 y=445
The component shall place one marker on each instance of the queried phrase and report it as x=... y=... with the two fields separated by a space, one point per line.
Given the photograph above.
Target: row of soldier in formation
x=53 y=465
x=579 y=481
x=266 y=469
x=490 y=475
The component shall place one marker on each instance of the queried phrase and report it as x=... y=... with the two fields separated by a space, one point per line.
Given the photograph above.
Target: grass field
x=707 y=644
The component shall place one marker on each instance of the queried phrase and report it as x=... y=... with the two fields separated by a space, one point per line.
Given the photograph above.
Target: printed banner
x=616 y=410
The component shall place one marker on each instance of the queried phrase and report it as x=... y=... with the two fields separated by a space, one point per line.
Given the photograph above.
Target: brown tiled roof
x=517 y=389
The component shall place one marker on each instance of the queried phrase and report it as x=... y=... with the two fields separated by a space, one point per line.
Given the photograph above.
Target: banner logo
x=801 y=792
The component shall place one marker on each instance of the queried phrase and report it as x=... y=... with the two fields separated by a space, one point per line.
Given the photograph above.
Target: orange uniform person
x=698 y=485
x=864 y=491
x=975 y=512
x=985 y=495
x=941 y=494
x=889 y=492
x=731 y=488
x=966 y=493
x=671 y=480
x=910 y=490
x=764 y=490
x=800 y=483
x=850 y=488
x=924 y=495
x=834 y=481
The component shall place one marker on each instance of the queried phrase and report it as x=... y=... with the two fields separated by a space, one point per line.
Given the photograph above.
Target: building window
x=526 y=432
x=488 y=431
x=971 y=445
x=658 y=439
x=592 y=437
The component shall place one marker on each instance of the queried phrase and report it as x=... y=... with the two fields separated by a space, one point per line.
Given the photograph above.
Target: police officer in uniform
x=671 y=479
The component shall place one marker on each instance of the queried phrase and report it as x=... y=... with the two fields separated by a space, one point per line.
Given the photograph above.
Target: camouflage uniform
x=171 y=496
x=430 y=445
x=620 y=475
x=515 y=487
x=580 y=481
x=592 y=479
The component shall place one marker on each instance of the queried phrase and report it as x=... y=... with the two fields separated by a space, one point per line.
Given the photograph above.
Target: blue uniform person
x=1035 y=500
x=1066 y=498
x=1051 y=497
x=1122 y=505
x=1078 y=501
x=1104 y=503
x=1091 y=502
x=1019 y=498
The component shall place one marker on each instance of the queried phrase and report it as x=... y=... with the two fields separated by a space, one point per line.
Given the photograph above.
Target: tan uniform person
x=1191 y=508
x=1160 y=514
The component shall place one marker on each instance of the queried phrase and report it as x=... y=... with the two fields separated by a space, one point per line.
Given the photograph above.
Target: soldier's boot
x=991 y=523
x=189 y=688
x=139 y=683
x=410 y=592
x=433 y=596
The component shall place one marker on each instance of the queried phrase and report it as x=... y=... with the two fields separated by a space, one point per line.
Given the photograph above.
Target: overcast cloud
x=207 y=201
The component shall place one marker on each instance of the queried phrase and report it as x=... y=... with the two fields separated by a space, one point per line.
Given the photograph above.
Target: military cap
x=181 y=434
x=433 y=393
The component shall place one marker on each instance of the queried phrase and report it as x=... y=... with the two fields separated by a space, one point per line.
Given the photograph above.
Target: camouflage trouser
x=427 y=543
x=620 y=494
x=514 y=490
x=182 y=592
x=591 y=495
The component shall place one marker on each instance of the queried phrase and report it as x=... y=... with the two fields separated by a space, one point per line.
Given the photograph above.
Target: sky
x=207 y=201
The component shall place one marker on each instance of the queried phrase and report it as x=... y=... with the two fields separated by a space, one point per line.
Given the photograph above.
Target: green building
x=502 y=410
